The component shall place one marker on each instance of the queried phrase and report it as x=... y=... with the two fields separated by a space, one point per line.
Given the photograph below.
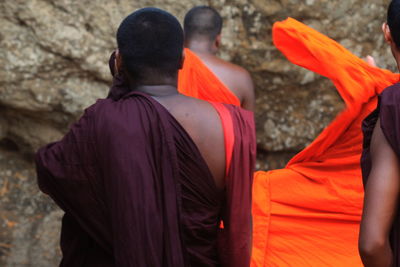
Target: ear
x=386 y=33
x=118 y=62
x=182 y=59
x=218 y=41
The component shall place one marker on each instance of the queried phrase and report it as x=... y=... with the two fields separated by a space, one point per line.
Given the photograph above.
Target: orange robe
x=197 y=80
x=308 y=213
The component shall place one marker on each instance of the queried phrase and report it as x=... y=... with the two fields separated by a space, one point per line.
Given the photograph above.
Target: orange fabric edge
x=195 y=79
x=229 y=136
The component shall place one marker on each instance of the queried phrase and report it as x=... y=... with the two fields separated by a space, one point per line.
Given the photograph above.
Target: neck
x=396 y=54
x=397 y=59
x=161 y=90
x=155 y=85
x=203 y=47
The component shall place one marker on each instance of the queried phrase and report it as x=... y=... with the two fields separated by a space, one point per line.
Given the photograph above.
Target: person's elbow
x=369 y=247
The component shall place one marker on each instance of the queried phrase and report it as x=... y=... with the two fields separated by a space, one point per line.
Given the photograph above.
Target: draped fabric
x=195 y=79
x=388 y=111
x=308 y=213
x=137 y=192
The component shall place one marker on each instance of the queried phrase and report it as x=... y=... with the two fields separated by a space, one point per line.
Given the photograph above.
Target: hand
x=370 y=60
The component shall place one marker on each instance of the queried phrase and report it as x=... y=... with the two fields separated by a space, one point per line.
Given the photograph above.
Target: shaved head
x=393 y=20
x=150 y=40
x=202 y=22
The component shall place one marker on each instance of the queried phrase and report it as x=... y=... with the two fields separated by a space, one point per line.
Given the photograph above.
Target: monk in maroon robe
x=145 y=177
x=379 y=238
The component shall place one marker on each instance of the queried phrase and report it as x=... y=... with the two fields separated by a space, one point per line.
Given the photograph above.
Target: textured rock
x=29 y=223
x=54 y=55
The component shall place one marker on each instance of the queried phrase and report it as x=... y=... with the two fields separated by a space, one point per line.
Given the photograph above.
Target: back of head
x=150 y=40
x=393 y=20
x=202 y=22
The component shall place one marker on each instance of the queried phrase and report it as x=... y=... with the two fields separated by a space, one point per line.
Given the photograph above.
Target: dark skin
x=236 y=78
x=199 y=118
x=381 y=193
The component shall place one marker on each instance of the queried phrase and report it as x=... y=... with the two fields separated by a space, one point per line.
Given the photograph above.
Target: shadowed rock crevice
x=8 y=145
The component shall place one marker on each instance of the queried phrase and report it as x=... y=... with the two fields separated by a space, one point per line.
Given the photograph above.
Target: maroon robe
x=137 y=192
x=388 y=111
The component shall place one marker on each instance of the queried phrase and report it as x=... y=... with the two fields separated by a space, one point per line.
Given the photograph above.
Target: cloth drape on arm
x=195 y=79
x=308 y=213
x=111 y=177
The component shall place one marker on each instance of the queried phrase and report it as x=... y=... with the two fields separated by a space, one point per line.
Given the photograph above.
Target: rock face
x=29 y=222
x=54 y=55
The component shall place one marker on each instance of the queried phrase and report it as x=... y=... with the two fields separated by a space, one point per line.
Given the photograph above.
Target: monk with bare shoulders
x=202 y=26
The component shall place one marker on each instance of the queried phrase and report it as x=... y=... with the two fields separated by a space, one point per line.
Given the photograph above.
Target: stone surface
x=54 y=57
x=29 y=223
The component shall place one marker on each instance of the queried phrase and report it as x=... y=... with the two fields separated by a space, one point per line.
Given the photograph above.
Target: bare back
x=202 y=122
x=236 y=78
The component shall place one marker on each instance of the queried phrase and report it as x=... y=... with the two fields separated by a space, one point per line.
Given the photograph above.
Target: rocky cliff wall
x=54 y=57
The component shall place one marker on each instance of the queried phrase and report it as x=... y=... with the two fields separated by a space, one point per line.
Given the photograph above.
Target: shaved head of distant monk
x=202 y=27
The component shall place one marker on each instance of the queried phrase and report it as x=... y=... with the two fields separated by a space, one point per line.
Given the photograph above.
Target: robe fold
x=137 y=192
x=308 y=213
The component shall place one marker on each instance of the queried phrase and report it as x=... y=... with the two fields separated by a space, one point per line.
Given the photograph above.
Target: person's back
x=143 y=178
x=202 y=27
x=203 y=124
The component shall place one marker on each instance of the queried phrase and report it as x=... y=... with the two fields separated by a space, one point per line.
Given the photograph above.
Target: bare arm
x=248 y=100
x=380 y=203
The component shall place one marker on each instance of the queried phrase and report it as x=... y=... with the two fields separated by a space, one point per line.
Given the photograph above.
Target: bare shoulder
x=245 y=81
x=242 y=84
x=194 y=110
x=235 y=77
x=238 y=73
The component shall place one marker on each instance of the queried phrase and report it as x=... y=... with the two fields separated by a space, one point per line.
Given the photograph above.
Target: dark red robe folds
x=137 y=192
